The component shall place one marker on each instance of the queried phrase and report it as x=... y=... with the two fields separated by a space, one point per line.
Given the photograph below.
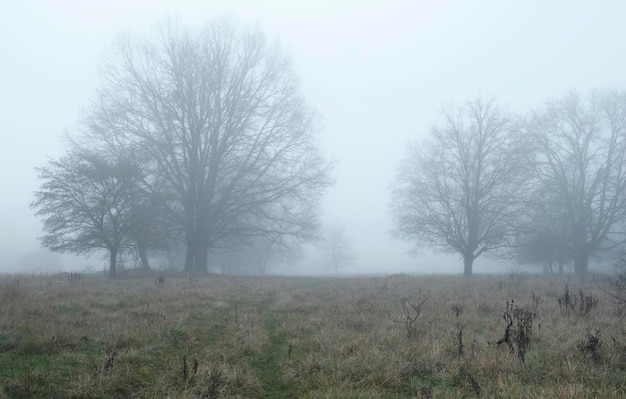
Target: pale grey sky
x=377 y=71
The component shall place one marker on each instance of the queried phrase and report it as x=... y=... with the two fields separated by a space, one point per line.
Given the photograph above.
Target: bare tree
x=86 y=201
x=220 y=113
x=153 y=224
x=543 y=235
x=339 y=247
x=581 y=155
x=460 y=191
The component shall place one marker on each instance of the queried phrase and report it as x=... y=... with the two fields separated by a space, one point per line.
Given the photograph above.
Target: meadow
x=188 y=336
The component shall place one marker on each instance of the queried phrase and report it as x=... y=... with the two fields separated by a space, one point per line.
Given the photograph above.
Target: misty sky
x=377 y=71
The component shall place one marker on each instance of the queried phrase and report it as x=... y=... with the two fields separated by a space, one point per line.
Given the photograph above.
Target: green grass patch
x=268 y=364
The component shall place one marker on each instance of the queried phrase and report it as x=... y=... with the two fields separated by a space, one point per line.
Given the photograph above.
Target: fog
x=377 y=72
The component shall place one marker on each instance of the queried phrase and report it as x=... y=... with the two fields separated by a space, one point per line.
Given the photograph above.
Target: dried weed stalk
x=412 y=311
x=518 y=329
x=567 y=301
x=587 y=302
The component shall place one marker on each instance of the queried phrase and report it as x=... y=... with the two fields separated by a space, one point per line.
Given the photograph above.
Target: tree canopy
x=219 y=118
x=460 y=192
x=87 y=202
x=581 y=155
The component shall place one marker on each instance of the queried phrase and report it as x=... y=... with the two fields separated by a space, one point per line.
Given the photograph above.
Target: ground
x=284 y=337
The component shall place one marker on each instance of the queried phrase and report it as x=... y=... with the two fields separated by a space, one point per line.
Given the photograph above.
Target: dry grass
x=213 y=336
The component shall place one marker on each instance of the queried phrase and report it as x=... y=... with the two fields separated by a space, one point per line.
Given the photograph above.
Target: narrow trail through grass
x=267 y=364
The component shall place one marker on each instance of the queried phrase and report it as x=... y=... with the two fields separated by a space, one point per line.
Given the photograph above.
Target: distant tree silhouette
x=221 y=116
x=581 y=163
x=338 y=247
x=86 y=201
x=462 y=190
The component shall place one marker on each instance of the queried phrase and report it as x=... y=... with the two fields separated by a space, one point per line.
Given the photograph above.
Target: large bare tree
x=220 y=113
x=580 y=163
x=460 y=191
x=87 y=202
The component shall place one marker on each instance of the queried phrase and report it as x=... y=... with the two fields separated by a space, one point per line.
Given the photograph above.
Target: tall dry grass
x=215 y=336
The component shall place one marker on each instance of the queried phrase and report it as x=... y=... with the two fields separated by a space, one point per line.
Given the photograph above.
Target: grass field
x=281 y=337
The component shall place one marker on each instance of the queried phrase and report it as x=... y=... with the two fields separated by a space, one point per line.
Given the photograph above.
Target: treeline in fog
x=548 y=188
x=197 y=139
x=200 y=142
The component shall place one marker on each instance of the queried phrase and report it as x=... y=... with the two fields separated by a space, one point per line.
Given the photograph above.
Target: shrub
x=590 y=345
x=518 y=330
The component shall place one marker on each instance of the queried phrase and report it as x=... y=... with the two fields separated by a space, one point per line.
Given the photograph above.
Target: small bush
x=524 y=321
x=590 y=345
x=518 y=330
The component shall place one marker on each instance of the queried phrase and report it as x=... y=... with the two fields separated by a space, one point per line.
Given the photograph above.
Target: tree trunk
x=191 y=236
x=581 y=263
x=549 y=269
x=142 y=250
x=112 y=262
x=190 y=256
x=263 y=264
x=468 y=261
x=201 y=259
